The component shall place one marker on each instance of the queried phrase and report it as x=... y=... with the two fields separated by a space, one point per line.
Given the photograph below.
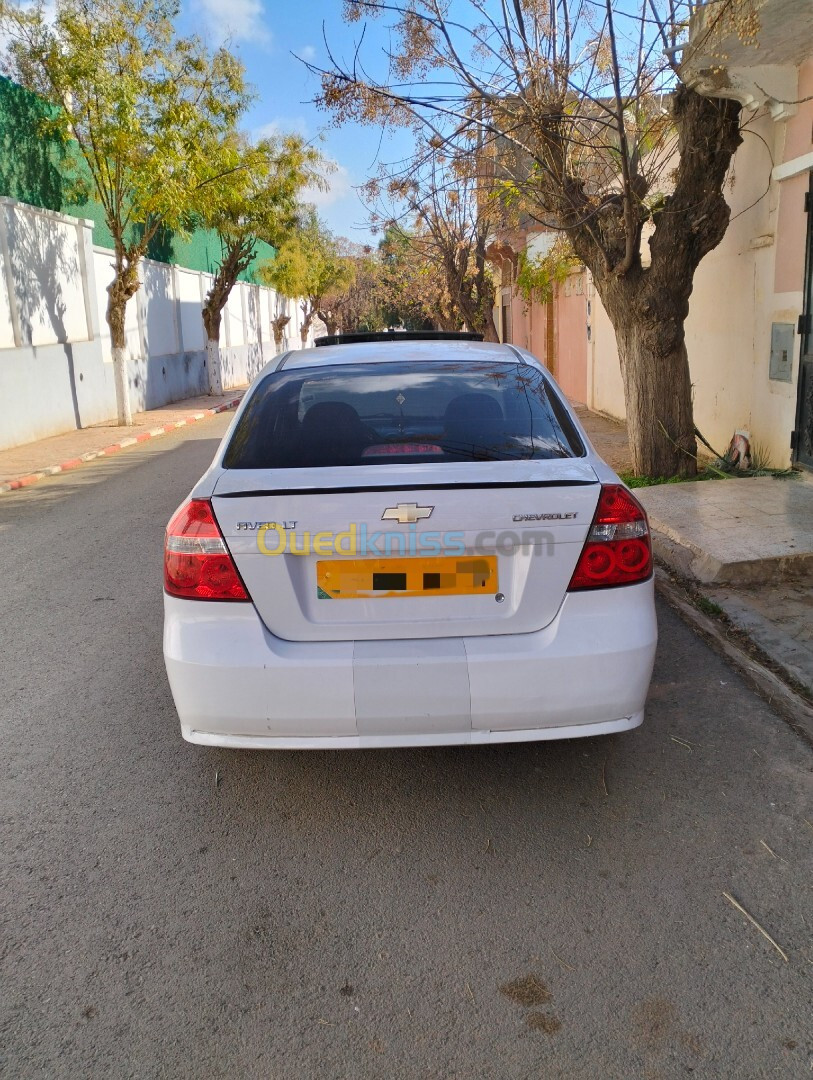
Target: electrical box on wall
x=783 y=337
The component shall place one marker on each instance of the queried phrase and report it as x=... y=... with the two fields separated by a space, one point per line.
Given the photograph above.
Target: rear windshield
x=391 y=413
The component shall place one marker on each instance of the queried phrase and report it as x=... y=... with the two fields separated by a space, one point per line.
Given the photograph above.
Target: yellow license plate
x=355 y=579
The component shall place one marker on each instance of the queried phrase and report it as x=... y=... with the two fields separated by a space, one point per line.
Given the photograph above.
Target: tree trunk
x=213 y=366
x=308 y=312
x=472 y=291
x=330 y=320
x=485 y=291
x=444 y=320
x=657 y=393
x=123 y=286
x=212 y=315
x=236 y=255
x=490 y=328
x=278 y=326
x=118 y=341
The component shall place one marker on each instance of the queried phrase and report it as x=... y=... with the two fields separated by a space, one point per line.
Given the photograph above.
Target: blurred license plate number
x=365 y=579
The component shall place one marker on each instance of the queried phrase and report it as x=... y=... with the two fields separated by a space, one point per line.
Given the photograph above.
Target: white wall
x=55 y=357
x=191 y=288
x=233 y=317
x=6 y=326
x=605 y=389
x=156 y=299
x=254 y=321
x=43 y=295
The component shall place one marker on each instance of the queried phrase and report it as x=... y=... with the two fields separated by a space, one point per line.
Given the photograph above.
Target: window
x=391 y=413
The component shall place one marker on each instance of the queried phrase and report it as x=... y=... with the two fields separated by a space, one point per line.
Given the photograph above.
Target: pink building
x=556 y=331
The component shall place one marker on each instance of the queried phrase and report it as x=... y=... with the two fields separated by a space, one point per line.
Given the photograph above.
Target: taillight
x=197 y=563
x=617 y=550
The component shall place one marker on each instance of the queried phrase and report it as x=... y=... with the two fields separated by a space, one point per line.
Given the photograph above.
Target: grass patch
x=718 y=467
x=708 y=607
x=719 y=471
x=633 y=481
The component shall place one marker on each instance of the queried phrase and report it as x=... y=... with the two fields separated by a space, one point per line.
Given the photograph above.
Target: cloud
x=283 y=125
x=307 y=52
x=340 y=186
x=48 y=17
x=235 y=21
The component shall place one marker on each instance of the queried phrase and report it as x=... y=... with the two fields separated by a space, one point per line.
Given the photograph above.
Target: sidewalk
x=608 y=436
x=745 y=531
x=24 y=465
x=745 y=546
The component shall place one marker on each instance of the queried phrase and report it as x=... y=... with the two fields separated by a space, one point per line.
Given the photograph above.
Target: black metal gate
x=803 y=436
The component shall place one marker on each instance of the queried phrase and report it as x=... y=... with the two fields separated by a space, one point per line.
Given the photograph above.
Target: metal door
x=803 y=435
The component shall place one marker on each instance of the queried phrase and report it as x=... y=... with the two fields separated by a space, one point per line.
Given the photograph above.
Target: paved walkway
x=24 y=465
x=747 y=544
x=608 y=436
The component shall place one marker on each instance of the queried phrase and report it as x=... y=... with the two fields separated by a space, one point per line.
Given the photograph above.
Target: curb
x=791 y=706
x=689 y=561
x=153 y=433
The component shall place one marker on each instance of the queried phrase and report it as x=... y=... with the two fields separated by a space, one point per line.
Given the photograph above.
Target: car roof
x=400 y=351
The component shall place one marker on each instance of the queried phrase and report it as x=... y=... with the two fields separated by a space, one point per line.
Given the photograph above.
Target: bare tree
x=415 y=295
x=444 y=213
x=357 y=304
x=583 y=110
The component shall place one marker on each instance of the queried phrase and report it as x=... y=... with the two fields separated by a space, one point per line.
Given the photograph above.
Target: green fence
x=38 y=169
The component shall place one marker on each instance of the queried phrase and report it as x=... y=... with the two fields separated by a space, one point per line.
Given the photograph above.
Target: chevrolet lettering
x=545 y=517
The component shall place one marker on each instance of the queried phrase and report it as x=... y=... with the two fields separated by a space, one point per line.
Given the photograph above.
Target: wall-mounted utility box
x=783 y=338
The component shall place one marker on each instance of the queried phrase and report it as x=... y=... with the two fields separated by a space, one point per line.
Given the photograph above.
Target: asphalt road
x=511 y=912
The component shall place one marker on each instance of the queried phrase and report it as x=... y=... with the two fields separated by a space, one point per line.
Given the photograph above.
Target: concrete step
x=739 y=531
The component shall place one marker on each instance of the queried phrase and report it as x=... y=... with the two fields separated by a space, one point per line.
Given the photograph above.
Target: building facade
x=555 y=330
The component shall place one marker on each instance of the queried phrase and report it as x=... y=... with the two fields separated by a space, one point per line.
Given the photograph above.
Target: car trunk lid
x=496 y=544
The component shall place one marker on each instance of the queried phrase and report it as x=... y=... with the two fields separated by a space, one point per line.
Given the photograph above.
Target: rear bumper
x=587 y=673
x=392 y=742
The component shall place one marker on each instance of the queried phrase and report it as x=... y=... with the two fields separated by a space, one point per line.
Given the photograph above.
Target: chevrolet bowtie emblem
x=407 y=513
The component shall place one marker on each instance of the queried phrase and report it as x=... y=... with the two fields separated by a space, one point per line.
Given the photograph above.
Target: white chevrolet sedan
x=407 y=540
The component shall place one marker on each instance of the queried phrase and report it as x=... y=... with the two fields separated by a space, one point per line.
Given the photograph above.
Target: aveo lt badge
x=261 y=526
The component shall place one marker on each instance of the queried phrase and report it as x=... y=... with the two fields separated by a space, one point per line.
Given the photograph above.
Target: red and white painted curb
x=153 y=433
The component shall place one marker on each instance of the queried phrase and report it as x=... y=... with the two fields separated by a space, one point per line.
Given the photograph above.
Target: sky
x=265 y=34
